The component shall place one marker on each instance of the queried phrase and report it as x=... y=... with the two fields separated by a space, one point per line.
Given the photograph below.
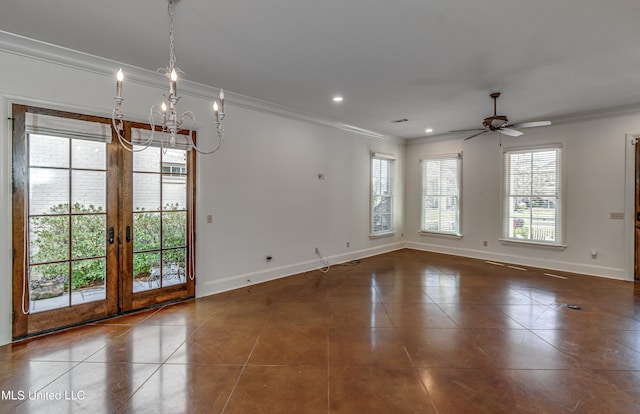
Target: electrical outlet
x=485 y=243
x=317 y=251
x=348 y=244
x=209 y=218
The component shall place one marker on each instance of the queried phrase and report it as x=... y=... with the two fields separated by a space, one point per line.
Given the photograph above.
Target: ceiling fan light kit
x=500 y=123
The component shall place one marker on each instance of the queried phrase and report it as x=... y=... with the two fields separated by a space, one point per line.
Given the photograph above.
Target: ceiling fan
x=501 y=124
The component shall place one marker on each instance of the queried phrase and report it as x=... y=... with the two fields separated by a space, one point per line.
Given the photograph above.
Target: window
x=532 y=202
x=173 y=169
x=381 y=194
x=441 y=194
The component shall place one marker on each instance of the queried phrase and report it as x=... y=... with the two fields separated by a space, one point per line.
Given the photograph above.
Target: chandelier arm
x=219 y=132
x=126 y=144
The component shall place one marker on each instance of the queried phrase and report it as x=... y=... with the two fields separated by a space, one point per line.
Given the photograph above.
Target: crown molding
x=563 y=119
x=47 y=52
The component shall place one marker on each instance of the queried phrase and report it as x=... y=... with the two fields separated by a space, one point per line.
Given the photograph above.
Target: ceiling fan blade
x=475 y=135
x=531 y=124
x=467 y=130
x=510 y=132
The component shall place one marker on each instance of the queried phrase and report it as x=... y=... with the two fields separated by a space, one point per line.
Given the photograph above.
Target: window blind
x=441 y=194
x=532 y=203
x=381 y=194
x=67 y=127
x=141 y=136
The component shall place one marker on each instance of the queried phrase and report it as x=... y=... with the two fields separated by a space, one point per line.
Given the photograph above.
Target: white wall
x=597 y=180
x=262 y=187
x=266 y=199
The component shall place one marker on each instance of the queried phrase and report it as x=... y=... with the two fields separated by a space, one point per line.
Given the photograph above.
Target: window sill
x=380 y=235
x=440 y=234
x=535 y=243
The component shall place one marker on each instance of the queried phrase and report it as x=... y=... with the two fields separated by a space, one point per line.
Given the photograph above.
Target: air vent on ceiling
x=399 y=121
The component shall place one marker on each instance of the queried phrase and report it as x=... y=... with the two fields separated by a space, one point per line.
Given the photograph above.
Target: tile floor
x=404 y=332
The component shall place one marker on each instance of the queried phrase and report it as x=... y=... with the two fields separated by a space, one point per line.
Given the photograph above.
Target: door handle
x=128 y=235
x=111 y=235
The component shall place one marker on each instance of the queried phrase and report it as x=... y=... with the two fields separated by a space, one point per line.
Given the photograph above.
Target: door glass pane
x=174 y=229
x=146 y=231
x=89 y=191
x=67 y=207
x=48 y=239
x=147 y=160
x=88 y=154
x=160 y=218
x=47 y=151
x=174 y=193
x=89 y=236
x=48 y=286
x=174 y=156
x=146 y=271
x=88 y=280
x=146 y=191
x=48 y=191
x=174 y=266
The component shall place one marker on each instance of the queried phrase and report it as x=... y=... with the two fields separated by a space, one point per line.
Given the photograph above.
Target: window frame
x=457 y=157
x=390 y=184
x=559 y=215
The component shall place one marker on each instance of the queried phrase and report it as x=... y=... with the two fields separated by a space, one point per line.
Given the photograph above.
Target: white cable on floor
x=327 y=266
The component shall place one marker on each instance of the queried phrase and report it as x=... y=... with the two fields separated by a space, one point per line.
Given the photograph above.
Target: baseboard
x=563 y=266
x=211 y=287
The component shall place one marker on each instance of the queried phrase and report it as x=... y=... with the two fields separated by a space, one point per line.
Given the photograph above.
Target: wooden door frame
x=636 y=262
x=129 y=301
x=119 y=299
x=24 y=323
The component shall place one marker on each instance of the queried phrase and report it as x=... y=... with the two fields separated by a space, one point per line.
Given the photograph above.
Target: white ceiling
x=433 y=62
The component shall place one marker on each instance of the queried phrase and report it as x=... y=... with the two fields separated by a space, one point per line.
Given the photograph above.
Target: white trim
x=440 y=156
x=391 y=160
x=560 y=194
x=531 y=148
x=629 y=203
x=440 y=234
x=6 y=237
x=595 y=114
x=47 y=52
x=550 y=264
x=383 y=156
x=535 y=243
x=249 y=279
x=380 y=235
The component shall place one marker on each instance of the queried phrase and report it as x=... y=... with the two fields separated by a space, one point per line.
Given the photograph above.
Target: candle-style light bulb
x=164 y=107
x=119 y=79
x=216 y=113
x=173 y=89
x=222 y=100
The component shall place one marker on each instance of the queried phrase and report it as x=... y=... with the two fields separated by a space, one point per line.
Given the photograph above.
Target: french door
x=97 y=230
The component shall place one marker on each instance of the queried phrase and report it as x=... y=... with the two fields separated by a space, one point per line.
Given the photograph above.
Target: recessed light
x=338 y=98
x=428 y=130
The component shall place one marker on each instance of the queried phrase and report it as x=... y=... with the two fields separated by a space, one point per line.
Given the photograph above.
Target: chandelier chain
x=170 y=123
x=172 y=56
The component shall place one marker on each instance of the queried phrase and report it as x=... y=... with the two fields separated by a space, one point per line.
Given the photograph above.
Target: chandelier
x=167 y=114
